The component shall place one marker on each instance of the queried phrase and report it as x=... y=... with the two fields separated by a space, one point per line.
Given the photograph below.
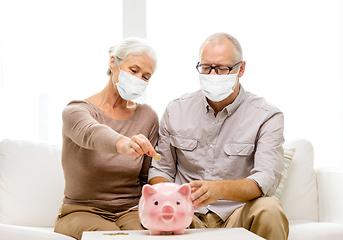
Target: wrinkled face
x=218 y=54
x=141 y=66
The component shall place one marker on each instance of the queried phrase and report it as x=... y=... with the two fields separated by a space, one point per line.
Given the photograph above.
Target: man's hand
x=207 y=192
x=135 y=146
x=204 y=192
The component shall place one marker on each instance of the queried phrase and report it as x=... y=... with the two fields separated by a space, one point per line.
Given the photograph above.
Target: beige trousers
x=263 y=216
x=74 y=219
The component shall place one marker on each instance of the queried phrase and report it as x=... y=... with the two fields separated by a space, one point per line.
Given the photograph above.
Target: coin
x=157 y=157
x=114 y=234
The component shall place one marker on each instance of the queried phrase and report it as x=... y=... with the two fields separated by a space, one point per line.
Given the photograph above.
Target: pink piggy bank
x=166 y=207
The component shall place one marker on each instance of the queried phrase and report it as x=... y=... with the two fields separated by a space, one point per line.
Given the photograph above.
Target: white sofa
x=31 y=192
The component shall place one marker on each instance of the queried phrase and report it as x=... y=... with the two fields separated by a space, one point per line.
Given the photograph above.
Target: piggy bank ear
x=148 y=190
x=185 y=190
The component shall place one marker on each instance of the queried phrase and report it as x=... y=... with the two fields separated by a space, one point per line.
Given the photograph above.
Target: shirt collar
x=231 y=108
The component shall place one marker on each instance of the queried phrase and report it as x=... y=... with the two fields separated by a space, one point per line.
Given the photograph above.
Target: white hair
x=221 y=36
x=131 y=46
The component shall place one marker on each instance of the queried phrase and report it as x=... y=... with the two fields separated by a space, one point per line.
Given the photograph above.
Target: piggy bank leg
x=155 y=232
x=179 y=232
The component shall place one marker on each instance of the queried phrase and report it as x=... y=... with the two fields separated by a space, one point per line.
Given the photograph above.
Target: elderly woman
x=108 y=144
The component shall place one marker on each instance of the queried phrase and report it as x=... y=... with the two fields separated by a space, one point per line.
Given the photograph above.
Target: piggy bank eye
x=178 y=203
x=156 y=202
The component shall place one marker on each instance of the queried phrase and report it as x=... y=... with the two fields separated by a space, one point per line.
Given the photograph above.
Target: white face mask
x=217 y=87
x=129 y=86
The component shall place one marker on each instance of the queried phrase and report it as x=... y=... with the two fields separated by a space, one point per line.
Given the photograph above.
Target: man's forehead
x=217 y=52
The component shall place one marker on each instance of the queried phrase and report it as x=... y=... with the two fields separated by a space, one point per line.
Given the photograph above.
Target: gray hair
x=220 y=37
x=128 y=47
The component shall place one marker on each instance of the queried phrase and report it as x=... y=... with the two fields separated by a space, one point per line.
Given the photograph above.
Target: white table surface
x=190 y=234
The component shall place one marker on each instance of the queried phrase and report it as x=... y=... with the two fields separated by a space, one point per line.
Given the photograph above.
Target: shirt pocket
x=186 y=152
x=183 y=144
x=238 y=160
x=239 y=149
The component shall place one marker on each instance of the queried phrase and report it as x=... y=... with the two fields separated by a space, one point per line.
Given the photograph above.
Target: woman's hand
x=135 y=146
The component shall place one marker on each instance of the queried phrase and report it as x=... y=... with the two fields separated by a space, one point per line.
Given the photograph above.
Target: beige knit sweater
x=95 y=174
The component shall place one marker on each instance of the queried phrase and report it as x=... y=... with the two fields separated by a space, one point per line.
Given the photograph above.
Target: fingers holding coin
x=146 y=146
x=143 y=145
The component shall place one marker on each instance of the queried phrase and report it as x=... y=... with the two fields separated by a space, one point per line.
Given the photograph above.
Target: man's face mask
x=217 y=87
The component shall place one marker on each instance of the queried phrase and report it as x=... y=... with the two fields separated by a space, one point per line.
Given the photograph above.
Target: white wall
x=53 y=51
x=294 y=59
x=57 y=51
x=1 y=84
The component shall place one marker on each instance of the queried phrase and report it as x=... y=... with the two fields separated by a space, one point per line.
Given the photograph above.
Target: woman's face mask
x=129 y=86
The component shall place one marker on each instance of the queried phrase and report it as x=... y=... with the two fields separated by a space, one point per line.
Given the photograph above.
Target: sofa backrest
x=31 y=183
x=300 y=195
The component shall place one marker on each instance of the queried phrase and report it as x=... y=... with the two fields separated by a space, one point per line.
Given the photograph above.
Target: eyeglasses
x=220 y=70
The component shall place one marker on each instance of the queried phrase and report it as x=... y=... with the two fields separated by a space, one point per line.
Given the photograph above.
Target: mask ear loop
x=236 y=81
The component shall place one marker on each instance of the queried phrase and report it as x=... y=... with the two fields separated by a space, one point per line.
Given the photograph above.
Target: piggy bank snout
x=167 y=209
x=167 y=213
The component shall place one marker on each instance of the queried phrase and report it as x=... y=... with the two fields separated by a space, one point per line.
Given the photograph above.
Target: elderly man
x=227 y=144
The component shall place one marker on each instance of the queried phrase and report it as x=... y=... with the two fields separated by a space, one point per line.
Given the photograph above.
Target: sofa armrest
x=31 y=183
x=330 y=194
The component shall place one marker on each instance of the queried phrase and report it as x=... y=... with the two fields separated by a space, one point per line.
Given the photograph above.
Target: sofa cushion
x=288 y=156
x=300 y=230
x=31 y=183
x=299 y=197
